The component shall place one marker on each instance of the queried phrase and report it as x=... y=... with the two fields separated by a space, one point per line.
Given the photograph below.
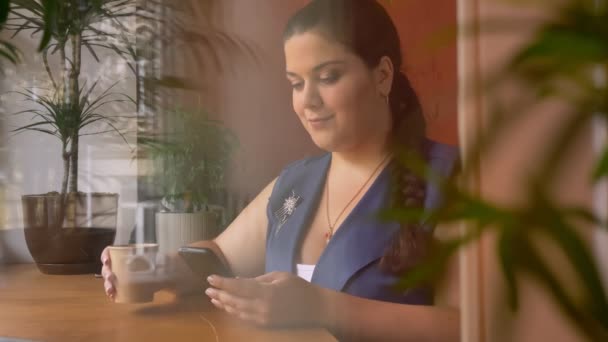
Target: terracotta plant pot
x=69 y=239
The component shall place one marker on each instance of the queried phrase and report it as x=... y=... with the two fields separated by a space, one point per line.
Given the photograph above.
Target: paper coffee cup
x=134 y=266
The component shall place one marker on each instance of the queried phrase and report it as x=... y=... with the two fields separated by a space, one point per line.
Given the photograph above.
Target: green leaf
x=35 y=127
x=584 y=214
x=403 y=214
x=91 y=51
x=580 y=258
x=430 y=269
x=538 y=269
x=5 y=6
x=172 y=82
x=10 y=52
x=601 y=168
x=508 y=262
x=50 y=18
x=564 y=46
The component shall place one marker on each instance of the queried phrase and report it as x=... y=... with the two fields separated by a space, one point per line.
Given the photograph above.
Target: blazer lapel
x=283 y=242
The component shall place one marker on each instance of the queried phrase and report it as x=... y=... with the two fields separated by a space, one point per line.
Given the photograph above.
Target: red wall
x=433 y=71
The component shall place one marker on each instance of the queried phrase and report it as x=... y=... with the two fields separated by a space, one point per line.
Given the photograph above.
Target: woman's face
x=335 y=95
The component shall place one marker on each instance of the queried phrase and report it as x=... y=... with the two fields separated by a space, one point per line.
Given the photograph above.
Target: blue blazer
x=350 y=262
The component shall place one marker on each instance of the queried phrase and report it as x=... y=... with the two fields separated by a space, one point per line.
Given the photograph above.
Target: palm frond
x=9 y=52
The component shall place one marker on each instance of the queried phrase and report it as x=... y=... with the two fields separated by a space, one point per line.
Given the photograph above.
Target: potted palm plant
x=66 y=230
x=190 y=163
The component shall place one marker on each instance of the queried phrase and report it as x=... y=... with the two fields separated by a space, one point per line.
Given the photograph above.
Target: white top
x=305 y=271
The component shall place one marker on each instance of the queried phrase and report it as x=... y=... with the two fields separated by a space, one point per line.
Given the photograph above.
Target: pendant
x=328 y=236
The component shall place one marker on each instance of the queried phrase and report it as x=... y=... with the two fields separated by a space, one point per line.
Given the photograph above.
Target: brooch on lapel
x=289 y=206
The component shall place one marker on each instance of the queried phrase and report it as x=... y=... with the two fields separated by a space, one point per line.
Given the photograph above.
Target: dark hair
x=364 y=27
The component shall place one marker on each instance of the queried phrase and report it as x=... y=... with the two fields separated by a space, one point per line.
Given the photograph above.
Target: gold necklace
x=330 y=230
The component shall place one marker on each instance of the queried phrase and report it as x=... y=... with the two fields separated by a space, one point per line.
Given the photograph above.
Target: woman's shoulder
x=308 y=163
x=440 y=150
x=442 y=158
x=301 y=174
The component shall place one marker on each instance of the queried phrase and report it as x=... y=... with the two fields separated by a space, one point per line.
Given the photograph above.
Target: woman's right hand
x=109 y=279
x=177 y=276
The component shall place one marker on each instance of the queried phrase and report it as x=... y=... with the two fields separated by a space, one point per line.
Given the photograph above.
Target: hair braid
x=412 y=244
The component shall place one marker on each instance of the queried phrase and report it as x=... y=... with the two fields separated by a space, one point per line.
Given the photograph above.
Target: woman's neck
x=362 y=158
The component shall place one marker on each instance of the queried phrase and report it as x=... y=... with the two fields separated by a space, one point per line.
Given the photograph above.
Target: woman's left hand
x=275 y=299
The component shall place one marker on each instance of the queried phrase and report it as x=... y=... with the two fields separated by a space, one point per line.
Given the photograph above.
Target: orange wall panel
x=431 y=69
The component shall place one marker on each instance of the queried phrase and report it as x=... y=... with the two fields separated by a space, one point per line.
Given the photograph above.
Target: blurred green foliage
x=565 y=61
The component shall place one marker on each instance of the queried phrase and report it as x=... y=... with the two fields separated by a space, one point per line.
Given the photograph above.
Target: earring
x=387 y=99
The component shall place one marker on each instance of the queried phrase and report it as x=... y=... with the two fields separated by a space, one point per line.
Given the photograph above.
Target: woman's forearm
x=354 y=318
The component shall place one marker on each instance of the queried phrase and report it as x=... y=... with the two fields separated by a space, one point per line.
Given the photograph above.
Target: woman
x=316 y=220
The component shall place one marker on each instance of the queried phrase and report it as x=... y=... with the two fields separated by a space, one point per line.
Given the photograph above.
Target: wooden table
x=74 y=308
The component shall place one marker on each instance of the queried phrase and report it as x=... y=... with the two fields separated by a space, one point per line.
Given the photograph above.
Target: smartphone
x=204 y=262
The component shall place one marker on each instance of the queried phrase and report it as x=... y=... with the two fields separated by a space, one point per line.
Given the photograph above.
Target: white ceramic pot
x=174 y=230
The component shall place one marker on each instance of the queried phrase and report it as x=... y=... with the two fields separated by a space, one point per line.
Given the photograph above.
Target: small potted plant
x=189 y=168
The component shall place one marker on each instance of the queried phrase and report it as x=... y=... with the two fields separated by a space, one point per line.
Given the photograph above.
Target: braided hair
x=367 y=30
